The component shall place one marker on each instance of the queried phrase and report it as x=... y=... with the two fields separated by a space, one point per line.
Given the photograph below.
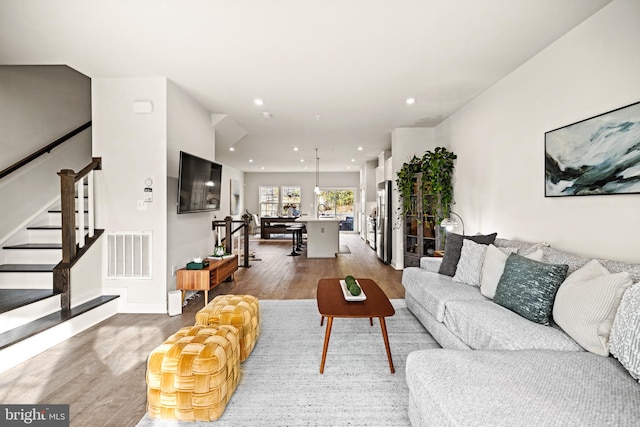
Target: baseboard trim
x=26 y=349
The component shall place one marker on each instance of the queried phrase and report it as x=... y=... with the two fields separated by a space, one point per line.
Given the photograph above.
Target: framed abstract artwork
x=599 y=155
x=234 y=188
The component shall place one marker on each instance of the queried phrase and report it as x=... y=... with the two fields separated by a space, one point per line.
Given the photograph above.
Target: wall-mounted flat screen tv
x=199 y=183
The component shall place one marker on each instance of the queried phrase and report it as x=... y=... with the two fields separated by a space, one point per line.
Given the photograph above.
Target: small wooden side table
x=207 y=278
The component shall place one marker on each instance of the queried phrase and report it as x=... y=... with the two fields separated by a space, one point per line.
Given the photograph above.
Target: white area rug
x=281 y=384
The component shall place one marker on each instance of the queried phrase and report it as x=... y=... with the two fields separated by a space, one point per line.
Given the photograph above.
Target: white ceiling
x=352 y=62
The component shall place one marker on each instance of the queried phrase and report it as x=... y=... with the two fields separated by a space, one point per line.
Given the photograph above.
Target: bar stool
x=294 y=232
x=300 y=243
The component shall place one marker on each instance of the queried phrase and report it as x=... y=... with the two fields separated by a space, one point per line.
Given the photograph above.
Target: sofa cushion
x=484 y=325
x=522 y=247
x=625 y=333
x=529 y=287
x=469 y=267
x=555 y=256
x=430 y=263
x=520 y=388
x=433 y=290
x=493 y=267
x=586 y=304
x=453 y=247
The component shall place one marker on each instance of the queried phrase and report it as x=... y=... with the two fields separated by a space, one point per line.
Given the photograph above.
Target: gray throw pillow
x=529 y=287
x=453 y=247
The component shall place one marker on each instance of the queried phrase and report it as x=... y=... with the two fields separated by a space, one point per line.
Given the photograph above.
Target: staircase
x=31 y=318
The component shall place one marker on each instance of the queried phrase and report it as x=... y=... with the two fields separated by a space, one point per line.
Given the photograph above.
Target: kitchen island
x=323 y=236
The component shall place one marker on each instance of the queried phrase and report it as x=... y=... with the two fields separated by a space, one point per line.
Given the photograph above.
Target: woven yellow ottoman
x=192 y=375
x=242 y=311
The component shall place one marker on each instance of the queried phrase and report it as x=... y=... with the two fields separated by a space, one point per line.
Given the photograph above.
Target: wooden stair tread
x=35 y=246
x=10 y=299
x=27 y=268
x=50 y=227
x=39 y=325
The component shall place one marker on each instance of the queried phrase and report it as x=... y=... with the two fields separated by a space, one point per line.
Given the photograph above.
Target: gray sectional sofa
x=498 y=368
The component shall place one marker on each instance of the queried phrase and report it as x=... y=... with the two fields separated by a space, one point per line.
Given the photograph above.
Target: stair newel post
x=228 y=239
x=246 y=218
x=67 y=201
x=62 y=272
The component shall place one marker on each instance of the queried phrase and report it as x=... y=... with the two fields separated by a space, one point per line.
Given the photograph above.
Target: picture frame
x=234 y=190
x=596 y=156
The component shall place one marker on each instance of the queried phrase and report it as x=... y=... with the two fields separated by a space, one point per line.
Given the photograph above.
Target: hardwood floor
x=101 y=371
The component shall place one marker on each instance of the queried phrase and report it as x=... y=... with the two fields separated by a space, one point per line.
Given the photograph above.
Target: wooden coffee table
x=331 y=303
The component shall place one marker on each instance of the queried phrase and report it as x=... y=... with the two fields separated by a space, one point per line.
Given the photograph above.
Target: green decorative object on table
x=352 y=285
x=355 y=290
x=218 y=250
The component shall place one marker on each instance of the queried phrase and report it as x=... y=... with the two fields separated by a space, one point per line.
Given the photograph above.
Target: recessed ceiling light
x=295 y=148
x=250 y=160
x=318 y=116
x=360 y=148
x=262 y=167
x=232 y=149
x=266 y=115
x=353 y=160
x=348 y=167
x=258 y=101
x=410 y=101
x=305 y=168
x=301 y=160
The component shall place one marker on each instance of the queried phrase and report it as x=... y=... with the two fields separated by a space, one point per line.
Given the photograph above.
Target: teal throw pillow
x=529 y=287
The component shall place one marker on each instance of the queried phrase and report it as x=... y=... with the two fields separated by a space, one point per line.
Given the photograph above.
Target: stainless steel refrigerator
x=384 y=222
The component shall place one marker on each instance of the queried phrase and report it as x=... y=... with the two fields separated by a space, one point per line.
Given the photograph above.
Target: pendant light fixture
x=317 y=187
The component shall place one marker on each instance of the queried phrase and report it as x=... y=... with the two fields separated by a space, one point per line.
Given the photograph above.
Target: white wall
x=405 y=143
x=499 y=140
x=306 y=181
x=133 y=148
x=139 y=146
x=86 y=275
x=39 y=104
x=189 y=129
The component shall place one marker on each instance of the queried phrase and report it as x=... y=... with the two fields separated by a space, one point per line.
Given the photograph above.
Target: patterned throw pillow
x=453 y=248
x=493 y=266
x=586 y=305
x=470 y=265
x=529 y=287
x=625 y=333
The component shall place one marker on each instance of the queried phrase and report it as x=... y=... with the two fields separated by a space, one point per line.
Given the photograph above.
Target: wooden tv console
x=207 y=278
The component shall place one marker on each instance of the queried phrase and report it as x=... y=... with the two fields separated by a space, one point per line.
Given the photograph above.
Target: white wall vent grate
x=129 y=255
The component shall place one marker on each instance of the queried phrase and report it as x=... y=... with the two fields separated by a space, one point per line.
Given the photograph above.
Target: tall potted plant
x=437 y=174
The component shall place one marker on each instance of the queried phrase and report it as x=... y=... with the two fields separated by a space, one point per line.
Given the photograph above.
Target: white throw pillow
x=625 y=333
x=469 y=266
x=493 y=267
x=586 y=305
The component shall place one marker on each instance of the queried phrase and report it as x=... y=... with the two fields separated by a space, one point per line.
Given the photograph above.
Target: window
x=276 y=201
x=291 y=201
x=337 y=203
x=269 y=201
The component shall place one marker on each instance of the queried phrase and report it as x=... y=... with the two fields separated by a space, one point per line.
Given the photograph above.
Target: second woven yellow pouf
x=192 y=375
x=241 y=311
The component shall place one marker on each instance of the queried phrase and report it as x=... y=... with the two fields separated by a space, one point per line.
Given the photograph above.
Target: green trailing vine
x=437 y=173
